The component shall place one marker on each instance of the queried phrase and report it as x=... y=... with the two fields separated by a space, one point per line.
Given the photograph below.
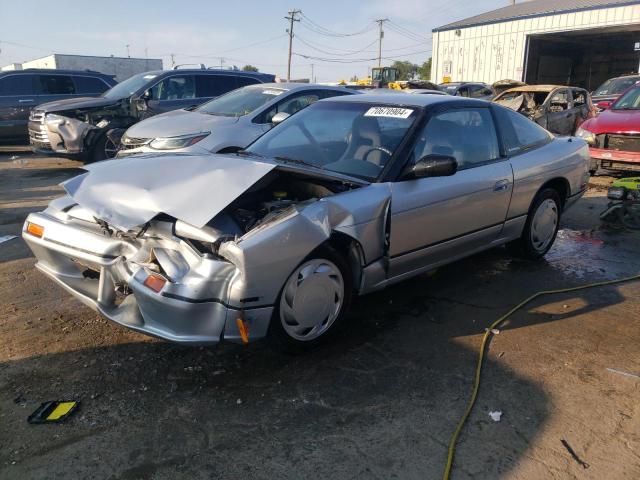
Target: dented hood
x=128 y=192
x=76 y=104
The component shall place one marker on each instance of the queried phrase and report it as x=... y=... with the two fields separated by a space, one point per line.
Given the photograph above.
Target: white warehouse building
x=568 y=42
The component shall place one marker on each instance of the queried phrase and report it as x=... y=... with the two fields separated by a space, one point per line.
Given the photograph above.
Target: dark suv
x=21 y=90
x=90 y=128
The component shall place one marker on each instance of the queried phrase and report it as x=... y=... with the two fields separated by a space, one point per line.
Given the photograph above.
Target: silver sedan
x=346 y=197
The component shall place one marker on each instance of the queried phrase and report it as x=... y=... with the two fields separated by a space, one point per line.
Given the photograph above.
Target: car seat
x=365 y=134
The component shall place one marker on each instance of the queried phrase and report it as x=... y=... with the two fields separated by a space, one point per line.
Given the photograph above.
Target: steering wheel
x=373 y=149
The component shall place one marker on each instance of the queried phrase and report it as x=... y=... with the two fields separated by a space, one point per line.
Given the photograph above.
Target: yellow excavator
x=381 y=77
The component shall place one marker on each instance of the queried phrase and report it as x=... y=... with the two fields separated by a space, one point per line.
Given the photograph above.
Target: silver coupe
x=347 y=196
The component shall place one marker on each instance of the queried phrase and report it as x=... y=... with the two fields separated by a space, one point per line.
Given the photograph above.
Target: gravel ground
x=381 y=402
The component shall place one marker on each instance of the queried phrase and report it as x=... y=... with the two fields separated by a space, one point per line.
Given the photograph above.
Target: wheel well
x=229 y=150
x=351 y=251
x=560 y=185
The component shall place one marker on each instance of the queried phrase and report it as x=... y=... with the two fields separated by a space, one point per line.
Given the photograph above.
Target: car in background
x=614 y=135
x=478 y=90
x=348 y=196
x=557 y=108
x=609 y=91
x=21 y=90
x=90 y=128
x=226 y=124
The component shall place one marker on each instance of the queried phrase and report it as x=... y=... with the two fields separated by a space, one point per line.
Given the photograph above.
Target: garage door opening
x=583 y=58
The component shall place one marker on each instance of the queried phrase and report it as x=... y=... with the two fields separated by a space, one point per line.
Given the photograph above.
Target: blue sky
x=244 y=31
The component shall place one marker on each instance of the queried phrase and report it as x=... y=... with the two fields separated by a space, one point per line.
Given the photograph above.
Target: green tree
x=249 y=68
x=424 y=71
x=406 y=69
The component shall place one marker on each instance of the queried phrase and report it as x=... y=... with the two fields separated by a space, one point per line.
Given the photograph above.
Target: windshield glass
x=240 y=102
x=355 y=139
x=615 y=86
x=628 y=101
x=129 y=86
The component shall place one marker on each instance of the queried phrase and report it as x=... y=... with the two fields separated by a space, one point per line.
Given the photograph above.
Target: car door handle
x=25 y=100
x=501 y=185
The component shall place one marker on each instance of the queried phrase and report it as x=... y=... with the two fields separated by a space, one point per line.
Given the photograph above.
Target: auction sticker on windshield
x=271 y=92
x=393 y=112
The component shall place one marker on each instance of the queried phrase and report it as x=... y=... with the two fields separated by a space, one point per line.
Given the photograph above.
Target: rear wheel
x=541 y=227
x=312 y=303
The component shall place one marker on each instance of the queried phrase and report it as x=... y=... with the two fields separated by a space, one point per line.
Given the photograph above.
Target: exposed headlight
x=588 y=136
x=53 y=119
x=172 y=143
x=616 y=193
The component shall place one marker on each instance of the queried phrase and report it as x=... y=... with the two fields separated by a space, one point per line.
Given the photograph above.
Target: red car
x=614 y=135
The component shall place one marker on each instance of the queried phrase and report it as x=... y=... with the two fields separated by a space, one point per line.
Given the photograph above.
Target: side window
x=476 y=91
x=519 y=134
x=244 y=81
x=466 y=134
x=291 y=105
x=579 y=98
x=463 y=92
x=178 y=87
x=559 y=101
x=90 y=85
x=56 y=85
x=214 y=85
x=16 y=85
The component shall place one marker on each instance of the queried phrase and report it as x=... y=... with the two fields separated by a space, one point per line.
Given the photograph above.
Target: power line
x=354 y=60
x=317 y=28
x=343 y=52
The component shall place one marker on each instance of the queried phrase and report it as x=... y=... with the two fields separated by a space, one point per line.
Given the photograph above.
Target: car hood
x=615 y=121
x=76 y=103
x=130 y=191
x=176 y=123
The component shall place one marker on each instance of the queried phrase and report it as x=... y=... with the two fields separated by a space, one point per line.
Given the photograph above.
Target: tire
x=322 y=272
x=541 y=228
x=629 y=216
x=102 y=149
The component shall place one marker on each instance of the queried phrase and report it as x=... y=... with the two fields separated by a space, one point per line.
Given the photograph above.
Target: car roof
x=54 y=71
x=210 y=71
x=538 y=88
x=293 y=86
x=405 y=99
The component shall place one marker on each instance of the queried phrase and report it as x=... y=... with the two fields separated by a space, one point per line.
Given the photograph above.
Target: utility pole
x=292 y=18
x=221 y=62
x=128 y=56
x=380 y=37
x=313 y=80
x=173 y=60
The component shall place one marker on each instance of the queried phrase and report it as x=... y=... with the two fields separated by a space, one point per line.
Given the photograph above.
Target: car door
x=561 y=116
x=435 y=220
x=172 y=92
x=17 y=98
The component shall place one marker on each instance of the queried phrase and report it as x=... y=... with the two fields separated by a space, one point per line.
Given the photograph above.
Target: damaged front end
x=75 y=130
x=200 y=258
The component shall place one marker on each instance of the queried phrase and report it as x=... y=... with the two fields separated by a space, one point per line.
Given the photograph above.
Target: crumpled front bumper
x=194 y=310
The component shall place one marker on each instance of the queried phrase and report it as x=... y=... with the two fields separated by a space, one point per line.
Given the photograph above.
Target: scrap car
x=225 y=124
x=557 y=108
x=614 y=135
x=609 y=91
x=89 y=129
x=346 y=197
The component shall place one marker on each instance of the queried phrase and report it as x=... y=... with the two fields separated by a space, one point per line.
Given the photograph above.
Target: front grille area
x=625 y=143
x=129 y=143
x=37 y=130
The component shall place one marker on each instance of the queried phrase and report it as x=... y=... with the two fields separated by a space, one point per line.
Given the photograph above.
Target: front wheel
x=312 y=303
x=103 y=149
x=541 y=227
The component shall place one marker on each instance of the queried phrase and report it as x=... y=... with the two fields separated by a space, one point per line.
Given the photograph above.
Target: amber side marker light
x=243 y=329
x=35 y=230
x=155 y=283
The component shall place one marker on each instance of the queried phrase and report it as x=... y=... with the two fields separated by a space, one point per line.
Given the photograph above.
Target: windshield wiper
x=297 y=161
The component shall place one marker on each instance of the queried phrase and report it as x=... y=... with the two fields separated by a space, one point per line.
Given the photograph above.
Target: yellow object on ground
x=61 y=410
x=483 y=346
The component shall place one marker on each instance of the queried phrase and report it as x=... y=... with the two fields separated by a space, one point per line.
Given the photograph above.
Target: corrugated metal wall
x=488 y=53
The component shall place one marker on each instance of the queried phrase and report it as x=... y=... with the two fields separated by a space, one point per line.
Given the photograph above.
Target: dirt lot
x=380 y=403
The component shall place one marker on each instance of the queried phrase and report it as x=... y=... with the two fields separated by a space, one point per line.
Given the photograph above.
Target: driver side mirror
x=146 y=95
x=604 y=104
x=279 y=118
x=434 y=166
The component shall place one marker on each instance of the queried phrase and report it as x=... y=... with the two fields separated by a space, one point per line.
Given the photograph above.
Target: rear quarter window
x=519 y=134
x=16 y=85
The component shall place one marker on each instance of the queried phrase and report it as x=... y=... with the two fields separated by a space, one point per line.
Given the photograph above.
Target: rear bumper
x=614 y=159
x=193 y=311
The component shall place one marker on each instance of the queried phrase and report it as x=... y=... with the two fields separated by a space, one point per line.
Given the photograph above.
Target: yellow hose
x=485 y=338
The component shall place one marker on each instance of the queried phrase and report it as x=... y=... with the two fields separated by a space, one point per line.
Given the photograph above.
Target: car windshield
x=240 y=102
x=356 y=139
x=628 y=101
x=614 y=86
x=129 y=86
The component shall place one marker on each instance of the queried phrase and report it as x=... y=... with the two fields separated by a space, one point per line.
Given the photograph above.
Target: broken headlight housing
x=173 y=143
x=53 y=119
x=586 y=135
